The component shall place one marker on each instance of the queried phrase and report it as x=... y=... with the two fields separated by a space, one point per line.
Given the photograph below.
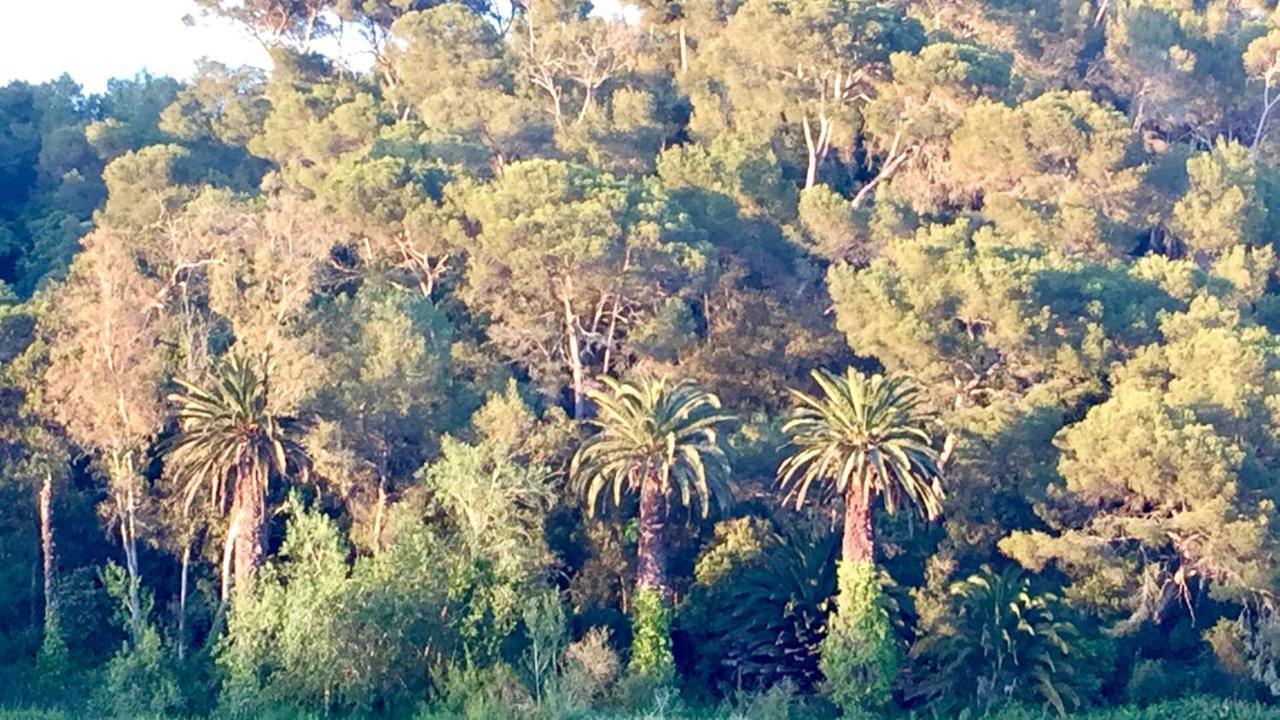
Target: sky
x=95 y=40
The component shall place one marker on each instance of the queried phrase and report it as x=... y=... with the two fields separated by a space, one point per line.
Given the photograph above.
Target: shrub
x=756 y=615
x=470 y=692
x=590 y=665
x=139 y=680
x=651 y=636
x=998 y=642
x=860 y=655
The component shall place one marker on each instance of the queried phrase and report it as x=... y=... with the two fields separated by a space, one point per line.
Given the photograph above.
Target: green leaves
x=649 y=429
x=227 y=435
x=651 y=630
x=999 y=643
x=864 y=436
x=860 y=654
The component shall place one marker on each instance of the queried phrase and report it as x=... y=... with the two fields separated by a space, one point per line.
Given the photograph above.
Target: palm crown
x=649 y=429
x=226 y=434
x=863 y=434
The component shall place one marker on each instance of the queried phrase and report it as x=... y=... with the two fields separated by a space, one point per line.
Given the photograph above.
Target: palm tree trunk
x=859 y=541
x=247 y=507
x=651 y=556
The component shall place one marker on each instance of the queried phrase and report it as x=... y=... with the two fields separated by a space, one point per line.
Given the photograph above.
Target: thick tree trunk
x=651 y=556
x=47 y=549
x=859 y=543
x=247 y=505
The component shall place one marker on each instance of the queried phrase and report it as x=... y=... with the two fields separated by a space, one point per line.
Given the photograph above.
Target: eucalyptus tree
x=104 y=381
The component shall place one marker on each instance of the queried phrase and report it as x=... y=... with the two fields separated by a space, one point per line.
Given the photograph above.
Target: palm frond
x=650 y=428
x=862 y=434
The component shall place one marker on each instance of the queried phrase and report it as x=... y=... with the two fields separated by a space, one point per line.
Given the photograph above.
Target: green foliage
x=228 y=434
x=140 y=680
x=321 y=634
x=472 y=692
x=865 y=435
x=544 y=625
x=1180 y=423
x=651 y=616
x=1221 y=208
x=861 y=654
x=758 y=608
x=651 y=432
x=1056 y=217
x=1000 y=642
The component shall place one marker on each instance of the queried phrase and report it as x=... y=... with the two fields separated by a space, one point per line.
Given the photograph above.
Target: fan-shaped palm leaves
x=1000 y=642
x=661 y=441
x=229 y=446
x=862 y=437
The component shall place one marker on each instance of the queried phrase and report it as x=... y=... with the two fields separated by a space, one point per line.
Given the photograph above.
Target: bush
x=139 y=680
x=1195 y=708
x=470 y=692
x=320 y=634
x=590 y=665
x=651 y=636
x=999 y=642
x=860 y=655
x=757 y=613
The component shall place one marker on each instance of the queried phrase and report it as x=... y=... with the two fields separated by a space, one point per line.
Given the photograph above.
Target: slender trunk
x=48 y=551
x=575 y=353
x=859 y=543
x=379 y=514
x=651 y=556
x=182 y=600
x=123 y=480
x=684 y=50
x=811 y=150
x=248 y=502
x=1267 y=104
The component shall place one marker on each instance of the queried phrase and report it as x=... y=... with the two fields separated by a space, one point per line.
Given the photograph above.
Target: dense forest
x=743 y=358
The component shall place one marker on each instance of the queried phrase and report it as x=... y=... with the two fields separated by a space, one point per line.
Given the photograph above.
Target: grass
x=1195 y=708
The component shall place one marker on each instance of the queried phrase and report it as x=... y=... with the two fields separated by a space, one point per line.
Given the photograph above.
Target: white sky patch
x=96 y=40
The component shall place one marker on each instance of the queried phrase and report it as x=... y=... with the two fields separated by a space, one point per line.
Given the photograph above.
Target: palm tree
x=660 y=441
x=229 y=444
x=863 y=437
x=1000 y=642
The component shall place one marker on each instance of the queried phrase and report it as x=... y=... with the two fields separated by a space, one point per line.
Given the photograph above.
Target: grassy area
x=1199 y=708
